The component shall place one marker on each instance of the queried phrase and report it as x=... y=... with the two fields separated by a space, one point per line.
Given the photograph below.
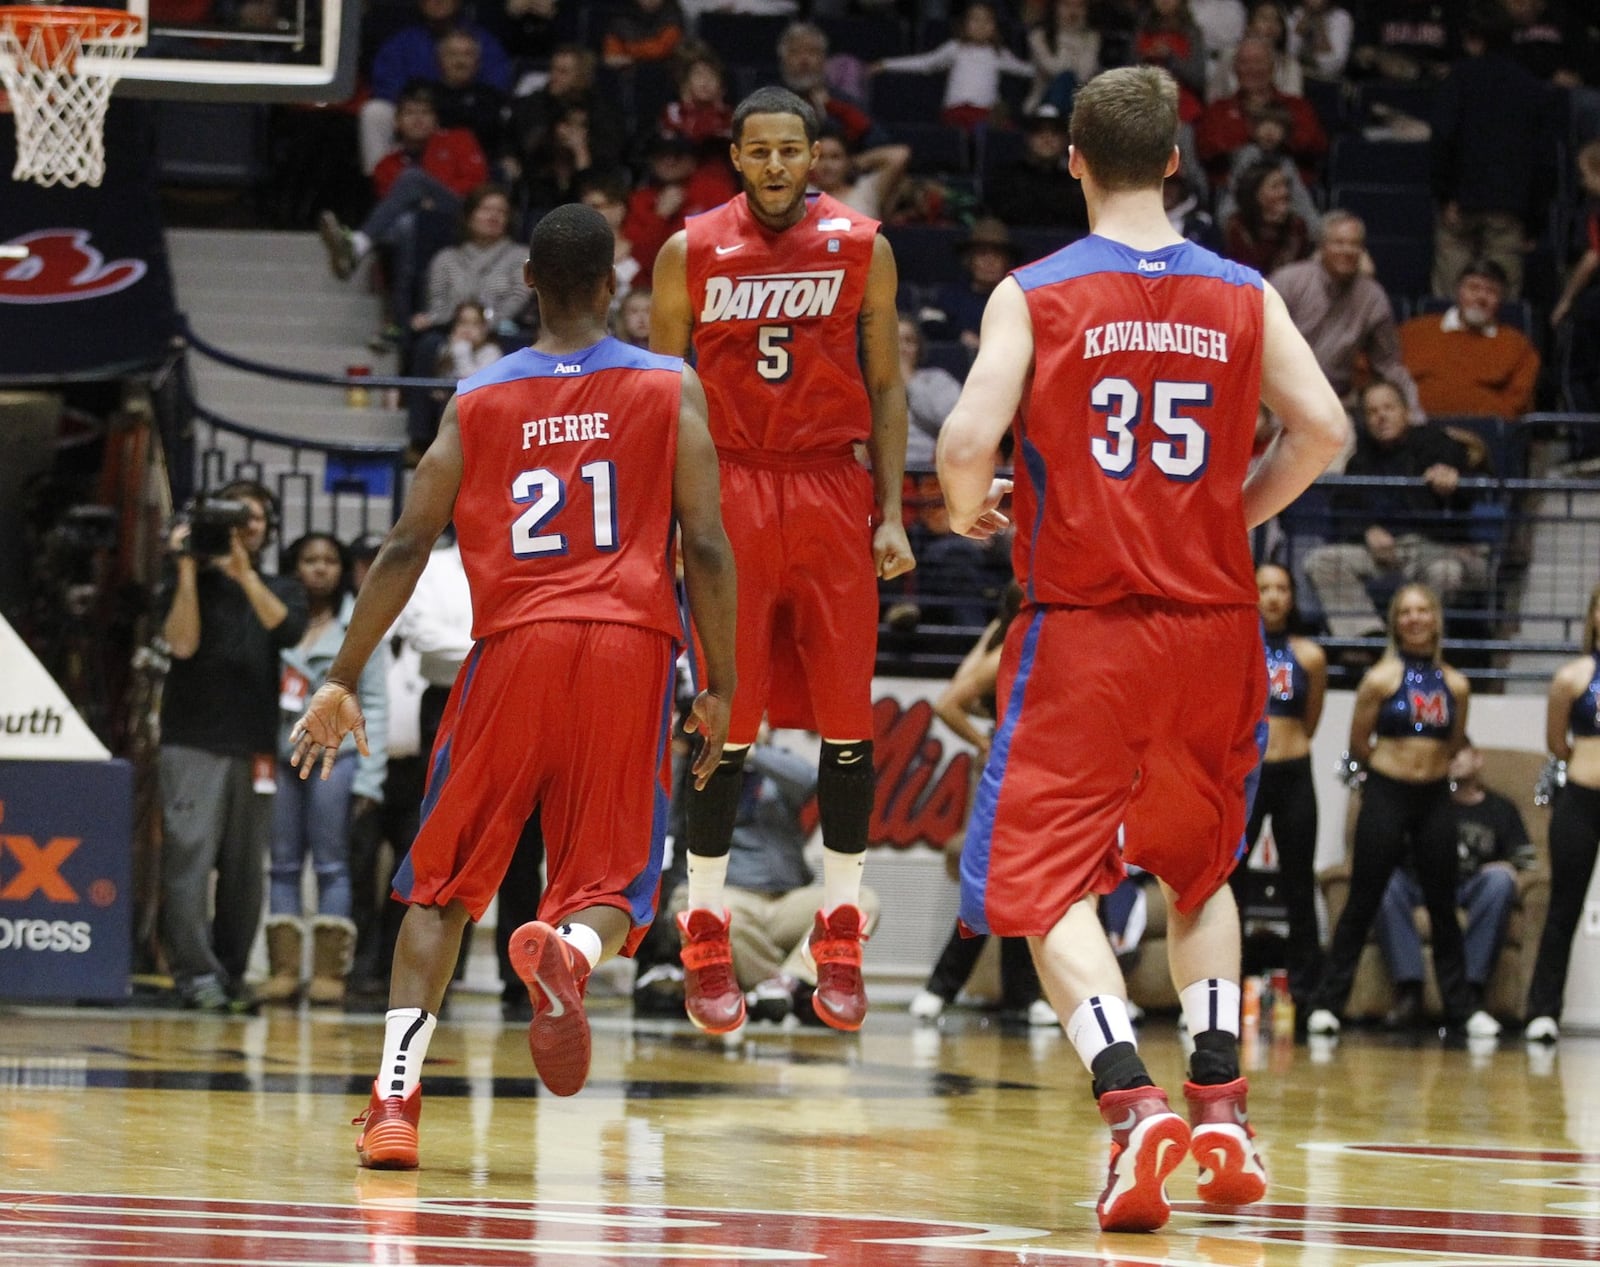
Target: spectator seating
x=950 y=355
x=1330 y=101
x=1377 y=97
x=935 y=147
x=927 y=254
x=211 y=143
x=1404 y=264
x=906 y=96
x=742 y=37
x=996 y=148
x=1036 y=243
x=869 y=38
x=1397 y=211
x=1358 y=160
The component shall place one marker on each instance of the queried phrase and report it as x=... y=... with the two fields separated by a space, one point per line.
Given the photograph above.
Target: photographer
x=225 y=625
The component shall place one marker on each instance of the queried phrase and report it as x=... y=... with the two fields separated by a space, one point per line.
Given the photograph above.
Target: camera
x=211 y=524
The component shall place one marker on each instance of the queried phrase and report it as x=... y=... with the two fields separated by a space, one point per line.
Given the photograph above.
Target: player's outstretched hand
x=708 y=719
x=891 y=550
x=332 y=714
x=989 y=520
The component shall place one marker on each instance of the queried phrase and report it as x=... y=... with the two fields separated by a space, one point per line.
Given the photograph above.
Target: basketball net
x=58 y=65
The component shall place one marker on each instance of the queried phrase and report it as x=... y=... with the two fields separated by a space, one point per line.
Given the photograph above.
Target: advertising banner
x=65 y=872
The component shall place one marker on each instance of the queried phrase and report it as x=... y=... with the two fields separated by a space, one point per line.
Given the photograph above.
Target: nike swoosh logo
x=1240 y=1116
x=557 y=1007
x=1127 y=1123
x=851 y=759
x=729 y=250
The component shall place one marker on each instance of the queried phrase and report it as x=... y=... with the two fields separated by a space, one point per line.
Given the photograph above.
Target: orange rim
x=57 y=24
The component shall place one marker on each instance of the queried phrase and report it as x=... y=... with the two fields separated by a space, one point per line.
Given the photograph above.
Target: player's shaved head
x=1124 y=125
x=570 y=254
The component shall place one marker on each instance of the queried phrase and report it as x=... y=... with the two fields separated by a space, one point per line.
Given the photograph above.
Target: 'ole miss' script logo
x=60 y=267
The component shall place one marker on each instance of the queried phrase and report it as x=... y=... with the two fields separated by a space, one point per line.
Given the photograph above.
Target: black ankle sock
x=712 y=810
x=1215 y=1059
x=846 y=781
x=1118 y=1068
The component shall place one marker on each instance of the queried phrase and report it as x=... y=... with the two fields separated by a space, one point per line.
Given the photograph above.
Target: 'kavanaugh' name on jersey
x=1135 y=433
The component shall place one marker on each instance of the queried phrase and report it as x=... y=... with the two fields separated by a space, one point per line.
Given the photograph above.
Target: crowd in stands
x=1414 y=176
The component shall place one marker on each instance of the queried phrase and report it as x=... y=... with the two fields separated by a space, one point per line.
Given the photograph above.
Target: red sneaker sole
x=558 y=1037
x=389 y=1146
x=1144 y=1207
x=1229 y=1159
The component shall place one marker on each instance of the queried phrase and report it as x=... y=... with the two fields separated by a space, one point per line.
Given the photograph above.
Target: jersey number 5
x=1181 y=455
x=548 y=493
x=773 y=344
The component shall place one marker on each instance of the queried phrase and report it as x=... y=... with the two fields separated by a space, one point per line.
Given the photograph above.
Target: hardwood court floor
x=145 y=1137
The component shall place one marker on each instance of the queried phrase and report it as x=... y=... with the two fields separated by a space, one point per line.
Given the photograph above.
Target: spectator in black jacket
x=1395 y=534
x=1037 y=189
x=1492 y=160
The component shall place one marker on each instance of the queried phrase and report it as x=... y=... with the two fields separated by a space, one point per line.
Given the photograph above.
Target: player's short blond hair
x=1124 y=125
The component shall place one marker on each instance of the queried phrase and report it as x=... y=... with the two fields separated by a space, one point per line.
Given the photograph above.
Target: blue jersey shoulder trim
x=1095 y=254
x=608 y=354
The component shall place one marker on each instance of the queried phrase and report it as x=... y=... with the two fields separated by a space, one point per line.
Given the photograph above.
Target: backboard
x=243 y=50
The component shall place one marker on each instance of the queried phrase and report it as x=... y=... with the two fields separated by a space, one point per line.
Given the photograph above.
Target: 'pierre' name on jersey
x=565 y=428
x=1154 y=336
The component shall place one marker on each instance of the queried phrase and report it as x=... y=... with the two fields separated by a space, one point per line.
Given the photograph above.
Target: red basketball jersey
x=565 y=508
x=1134 y=435
x=775 y=326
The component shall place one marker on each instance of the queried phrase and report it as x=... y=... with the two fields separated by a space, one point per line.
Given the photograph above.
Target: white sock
x=1211 y=1003
x=584 y=940
x=406 y=1034
x=706 y=879
x=1097 y=1023
x=841 y=879
x=360 y=244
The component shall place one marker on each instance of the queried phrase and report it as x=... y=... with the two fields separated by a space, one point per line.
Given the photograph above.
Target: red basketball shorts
x=1140 y=714
x=808 y=596
x=572 y=718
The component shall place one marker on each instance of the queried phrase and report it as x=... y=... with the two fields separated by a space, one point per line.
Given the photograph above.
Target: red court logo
x=60 y=267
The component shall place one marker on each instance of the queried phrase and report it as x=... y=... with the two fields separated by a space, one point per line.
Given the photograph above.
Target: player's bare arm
x=880 y=347
x=969 y=441
x=1315 y=428
x=334 y=712
x=708 y=572
x=671 y=317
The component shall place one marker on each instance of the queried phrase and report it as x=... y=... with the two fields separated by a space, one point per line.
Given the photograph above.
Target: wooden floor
x=149 y=1137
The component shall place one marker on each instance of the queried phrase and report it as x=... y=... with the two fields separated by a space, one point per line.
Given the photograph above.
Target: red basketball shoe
x=711 y=993
x=1148 y=1140
x=1231 y=1172
x=558 y=1036
x=836 y=940
x=389 y=1138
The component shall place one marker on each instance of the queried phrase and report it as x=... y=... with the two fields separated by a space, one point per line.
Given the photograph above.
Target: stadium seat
x=1035 y=244
x=1507 y=445
x=1388 y=211
x=1327 y=98
x=869 y=38
x=211 y=143
x=950 y=355
x=927 y=254
x=908 y=96
x=1404 y=266
x=1375 y=97
x=742 y=37
x=935 y=147
x=1356 y=160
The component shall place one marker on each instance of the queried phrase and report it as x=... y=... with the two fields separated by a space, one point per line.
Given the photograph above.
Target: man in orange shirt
x=1465 y=360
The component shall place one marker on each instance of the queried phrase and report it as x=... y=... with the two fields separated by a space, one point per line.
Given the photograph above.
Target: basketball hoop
x=58 y=64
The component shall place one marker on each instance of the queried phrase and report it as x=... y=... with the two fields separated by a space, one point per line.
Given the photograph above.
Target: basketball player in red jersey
x=554 y=464
x=788 y=301
x=1130 y=366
